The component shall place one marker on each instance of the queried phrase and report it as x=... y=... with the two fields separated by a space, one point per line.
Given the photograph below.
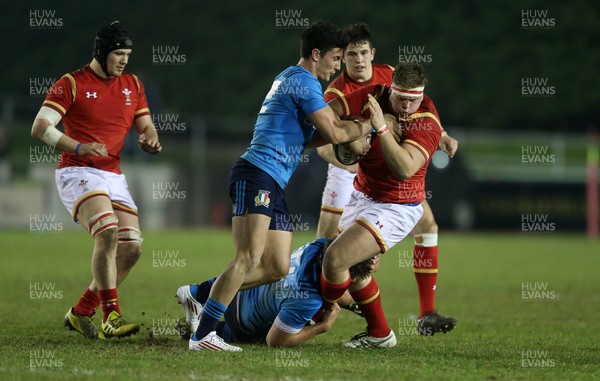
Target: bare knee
x=130 y=252
x=246 y=261
x=333 y=261
x=426 y=225
x=130 y=243
x=107 y=240
x=280 y=268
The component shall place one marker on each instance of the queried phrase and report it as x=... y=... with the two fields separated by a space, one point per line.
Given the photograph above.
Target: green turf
x=480 y=284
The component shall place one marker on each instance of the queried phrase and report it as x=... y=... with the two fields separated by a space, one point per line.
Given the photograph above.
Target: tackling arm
x=333 y=129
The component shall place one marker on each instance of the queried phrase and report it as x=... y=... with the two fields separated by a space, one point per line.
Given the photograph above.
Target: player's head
x=408 y=84
x=112 y=48
x=364 y=268
x=323 y=43
x=359 y=53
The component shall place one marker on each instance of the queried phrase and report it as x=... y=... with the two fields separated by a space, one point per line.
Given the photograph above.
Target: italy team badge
x=262 y=199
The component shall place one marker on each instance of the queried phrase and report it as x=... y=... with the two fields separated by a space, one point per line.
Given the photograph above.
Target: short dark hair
x=362 y=270
x=321 y=35
x=358 y=33
x=409 y=75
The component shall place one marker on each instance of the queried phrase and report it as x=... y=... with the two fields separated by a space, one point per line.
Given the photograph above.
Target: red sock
x=369 y=301
x=87 y=304
x=425 y=266
x=331 y=292
x=109 y=302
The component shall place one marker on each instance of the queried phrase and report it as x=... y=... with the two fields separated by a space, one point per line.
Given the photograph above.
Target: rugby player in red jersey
x=98 y=104
x=386 y=203
x=361 y=71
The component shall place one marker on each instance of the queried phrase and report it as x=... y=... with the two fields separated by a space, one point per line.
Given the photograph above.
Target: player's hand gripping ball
x=342 y=151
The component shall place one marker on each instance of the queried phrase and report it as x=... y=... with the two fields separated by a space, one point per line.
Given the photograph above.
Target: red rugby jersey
x=343 y=84
x=421 y=129
x=95 y=109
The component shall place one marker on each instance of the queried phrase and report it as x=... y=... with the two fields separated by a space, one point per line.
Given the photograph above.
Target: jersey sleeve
x=296 y=313
x=436 y=116
x=61 y=95
x=356 y=102
x=142 y=105
x=306 y=93
x=423 y=132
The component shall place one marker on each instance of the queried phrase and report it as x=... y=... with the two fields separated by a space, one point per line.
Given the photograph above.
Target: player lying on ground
x=98 y=105
x=360 y=71
x=277 y=314
x=389 y=189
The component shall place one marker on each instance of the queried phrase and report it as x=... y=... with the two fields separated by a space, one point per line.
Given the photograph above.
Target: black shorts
x=252 y=190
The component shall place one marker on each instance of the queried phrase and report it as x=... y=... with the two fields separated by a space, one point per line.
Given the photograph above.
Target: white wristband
x=381 y=128
x=52 y=136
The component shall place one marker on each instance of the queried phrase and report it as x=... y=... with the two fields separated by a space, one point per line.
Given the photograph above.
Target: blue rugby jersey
x=290 y=302
x=282 y=129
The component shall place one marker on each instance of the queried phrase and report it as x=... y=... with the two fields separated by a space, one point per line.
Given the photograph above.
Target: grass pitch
x=527 y=309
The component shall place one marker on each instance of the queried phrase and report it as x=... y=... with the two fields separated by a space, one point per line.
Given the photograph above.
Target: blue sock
x=201 y=291
x=211 y=314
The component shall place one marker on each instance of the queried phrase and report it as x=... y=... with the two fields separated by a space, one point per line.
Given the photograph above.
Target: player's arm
x=148 y=140
x=279 y=338
x=403 y=160
x=335 y=130
x=448 y=144
x=44 y=129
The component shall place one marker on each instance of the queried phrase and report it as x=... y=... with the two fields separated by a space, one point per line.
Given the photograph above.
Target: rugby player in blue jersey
x=293 y=116
x=277 y=314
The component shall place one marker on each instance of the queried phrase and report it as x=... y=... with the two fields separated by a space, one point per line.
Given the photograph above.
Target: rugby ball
x=342 y=153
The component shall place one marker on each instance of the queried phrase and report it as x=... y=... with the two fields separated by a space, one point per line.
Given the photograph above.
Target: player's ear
x=373 y=50
x=315 y=54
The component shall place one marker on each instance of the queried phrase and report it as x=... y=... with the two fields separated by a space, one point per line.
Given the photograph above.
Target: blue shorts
x=232 y=331
x=252 y=190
